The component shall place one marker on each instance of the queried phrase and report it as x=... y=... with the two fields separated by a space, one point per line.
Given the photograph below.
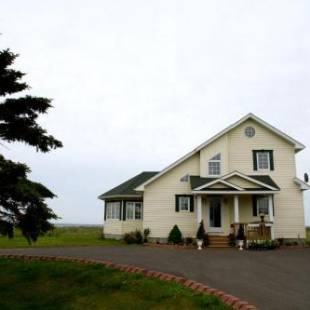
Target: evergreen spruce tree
x=175 y=235
x=22 y=201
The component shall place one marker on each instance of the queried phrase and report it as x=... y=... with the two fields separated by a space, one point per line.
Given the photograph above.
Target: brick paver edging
x=234 y=302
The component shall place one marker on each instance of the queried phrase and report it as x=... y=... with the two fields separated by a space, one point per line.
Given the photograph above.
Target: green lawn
x=62 y=236
x=308 y=234
x=66 y=285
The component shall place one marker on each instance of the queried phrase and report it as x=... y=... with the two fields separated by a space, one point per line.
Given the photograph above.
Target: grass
x=62 y=236
x=308 y=234
x=65 y=285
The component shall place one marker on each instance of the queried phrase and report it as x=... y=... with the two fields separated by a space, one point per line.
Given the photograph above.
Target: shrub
x=263 y=245
x=240 y=234
x=146 y=233
x=201 y=231
x=231 y=239
x=175 y=235
x=205 y=239
x=139 y=237
x=130 y=238
x=133 y=237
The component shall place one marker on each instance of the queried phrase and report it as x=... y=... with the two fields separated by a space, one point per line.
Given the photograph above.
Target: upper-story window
x=214 y=165
x=263 y=160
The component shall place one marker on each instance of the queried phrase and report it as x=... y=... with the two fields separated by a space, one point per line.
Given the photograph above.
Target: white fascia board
x=233 y=192
x=303 y=185
x=219 y=181
x=298 y=146
x=102 y=197
x=243 y=176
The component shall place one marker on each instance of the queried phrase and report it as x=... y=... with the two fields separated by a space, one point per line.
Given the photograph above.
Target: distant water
x=76 y=225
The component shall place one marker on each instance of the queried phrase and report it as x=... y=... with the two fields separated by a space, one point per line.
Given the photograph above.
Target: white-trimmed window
x=214 y=165
x=263 y=160
x=113 y=209
x=262 y=205
x=184 y=203
x=133 y=210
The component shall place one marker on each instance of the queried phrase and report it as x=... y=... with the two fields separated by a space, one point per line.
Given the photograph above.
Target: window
x=113 y=210
x=185 y=178
x=133 y=210
x=249 y=132
x=263 y=160
x=215 y=165
x=262 y=205
x=184 y=203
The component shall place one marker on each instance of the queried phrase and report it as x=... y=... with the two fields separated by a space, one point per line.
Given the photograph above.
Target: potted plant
x=200 y=235
x=240 y=237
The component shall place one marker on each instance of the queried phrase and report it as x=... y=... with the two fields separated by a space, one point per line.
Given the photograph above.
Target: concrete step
x=219 y=246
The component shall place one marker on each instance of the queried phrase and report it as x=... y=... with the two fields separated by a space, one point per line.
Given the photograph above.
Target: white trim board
x=243 y=176
x=298 y=146
x=219 y=181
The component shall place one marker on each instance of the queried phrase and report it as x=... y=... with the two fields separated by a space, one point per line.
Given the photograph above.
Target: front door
x=215 y=213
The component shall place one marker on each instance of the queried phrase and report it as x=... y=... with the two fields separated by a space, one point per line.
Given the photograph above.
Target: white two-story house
x=246 y=170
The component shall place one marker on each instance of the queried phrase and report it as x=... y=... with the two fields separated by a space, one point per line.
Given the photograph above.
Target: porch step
x=218 y=242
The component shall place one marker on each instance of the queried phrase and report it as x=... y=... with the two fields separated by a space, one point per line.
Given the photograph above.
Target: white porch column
x=271 y=217
x=104 y=206
x=199 y=208
x=236 y=208
x=270 y=208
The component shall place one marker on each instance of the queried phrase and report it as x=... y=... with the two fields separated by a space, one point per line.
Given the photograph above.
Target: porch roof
x=265 y=181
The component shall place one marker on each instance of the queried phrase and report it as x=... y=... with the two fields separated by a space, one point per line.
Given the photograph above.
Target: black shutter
x=191 y=206
x=254 y=205
x=120 y=210
x=105 y=210
x=271 y=160
x=124 y=211
x=254 y=160
x=177 y=208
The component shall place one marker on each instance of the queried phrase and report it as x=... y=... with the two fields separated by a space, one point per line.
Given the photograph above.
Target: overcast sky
x=138 y=84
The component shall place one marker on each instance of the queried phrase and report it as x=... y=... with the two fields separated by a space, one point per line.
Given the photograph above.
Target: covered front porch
x=223 y=214
x=228 y=202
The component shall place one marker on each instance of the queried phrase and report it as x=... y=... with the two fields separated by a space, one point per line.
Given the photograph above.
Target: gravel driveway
x=269 y=280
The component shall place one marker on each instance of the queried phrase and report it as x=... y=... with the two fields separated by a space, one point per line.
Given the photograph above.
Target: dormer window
x=214 y=165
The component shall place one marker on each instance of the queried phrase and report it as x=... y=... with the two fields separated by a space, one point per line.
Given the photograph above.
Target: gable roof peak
x=297 y=145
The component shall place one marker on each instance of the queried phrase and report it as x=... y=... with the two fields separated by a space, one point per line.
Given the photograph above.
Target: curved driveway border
x=233 y=301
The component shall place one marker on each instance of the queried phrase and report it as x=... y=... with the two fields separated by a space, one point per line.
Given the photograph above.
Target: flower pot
x=199 y=244
x=240 y=245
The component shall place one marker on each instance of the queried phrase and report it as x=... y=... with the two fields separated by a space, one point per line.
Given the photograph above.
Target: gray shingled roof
x=128 y=187
x=197 y=181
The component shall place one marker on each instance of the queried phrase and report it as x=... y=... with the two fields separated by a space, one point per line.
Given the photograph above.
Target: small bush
x=130 y=238
x=146 y=233
x=175 y=235
x=231 y=239
x=133 y=237
x=206 y=240
x=201 y=231
x=139 y=237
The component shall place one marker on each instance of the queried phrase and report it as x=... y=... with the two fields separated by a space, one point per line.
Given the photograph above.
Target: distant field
x=65 y=285
x=62 y=236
